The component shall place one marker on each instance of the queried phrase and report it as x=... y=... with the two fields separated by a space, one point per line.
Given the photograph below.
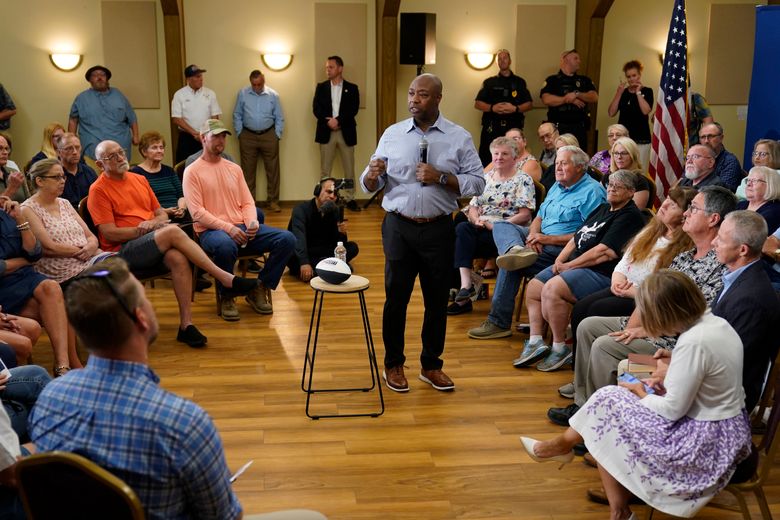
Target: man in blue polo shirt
x=526 y=251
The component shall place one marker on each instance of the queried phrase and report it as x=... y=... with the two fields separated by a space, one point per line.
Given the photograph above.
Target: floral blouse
x=502 y=199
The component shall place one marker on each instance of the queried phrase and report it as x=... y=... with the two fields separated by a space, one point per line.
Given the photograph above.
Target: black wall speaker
x=418 y=39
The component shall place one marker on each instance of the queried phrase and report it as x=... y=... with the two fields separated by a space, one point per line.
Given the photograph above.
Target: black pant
x=186 y=146
x=413 y=249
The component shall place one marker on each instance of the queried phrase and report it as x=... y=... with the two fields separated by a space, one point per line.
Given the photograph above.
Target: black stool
x=355 y=284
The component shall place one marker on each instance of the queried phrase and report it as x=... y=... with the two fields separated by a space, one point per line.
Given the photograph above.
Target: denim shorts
x=141 y=252
x=582 y=282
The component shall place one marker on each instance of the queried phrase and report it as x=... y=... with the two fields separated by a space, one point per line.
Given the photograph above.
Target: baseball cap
x=192 y=70
x=214 y=126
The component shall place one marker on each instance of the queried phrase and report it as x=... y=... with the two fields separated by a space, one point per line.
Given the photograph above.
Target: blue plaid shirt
x=163 y=446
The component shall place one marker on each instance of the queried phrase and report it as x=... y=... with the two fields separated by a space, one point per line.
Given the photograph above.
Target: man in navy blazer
x=336 y=103
x=747 y=301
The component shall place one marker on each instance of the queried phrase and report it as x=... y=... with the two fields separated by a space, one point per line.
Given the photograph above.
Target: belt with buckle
x=261 y=132
x=420 y=220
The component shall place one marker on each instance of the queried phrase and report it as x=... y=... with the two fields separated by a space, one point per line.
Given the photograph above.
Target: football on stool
x=333 y=270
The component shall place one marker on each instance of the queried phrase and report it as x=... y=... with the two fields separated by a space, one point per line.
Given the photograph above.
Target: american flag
x=669 y=123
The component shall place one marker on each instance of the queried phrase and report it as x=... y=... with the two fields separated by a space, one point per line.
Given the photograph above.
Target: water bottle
x=340 y=252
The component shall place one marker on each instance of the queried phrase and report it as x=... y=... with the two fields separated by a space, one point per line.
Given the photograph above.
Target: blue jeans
x=224 y=251
x=506 y=235
x=21 y=391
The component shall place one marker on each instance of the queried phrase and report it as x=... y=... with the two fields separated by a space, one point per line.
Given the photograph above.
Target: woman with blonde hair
x=763 y=194
x=51 y=138
x=625 y=156
x=673 y=440
x=766 y=152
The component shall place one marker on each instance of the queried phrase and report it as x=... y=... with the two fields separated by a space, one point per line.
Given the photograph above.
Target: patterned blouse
x=502 y=199
x=64 y=229
x=601 y=161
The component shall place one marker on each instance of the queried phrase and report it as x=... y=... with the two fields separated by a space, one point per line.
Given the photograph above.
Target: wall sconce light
x=65 y=61
x=480 y=60
x=277 y=61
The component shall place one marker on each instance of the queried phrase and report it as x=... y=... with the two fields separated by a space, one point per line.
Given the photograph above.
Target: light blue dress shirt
x=450 y=150
x=258 y=112
x=730 y=277
x=103 y=116
x=565 y=209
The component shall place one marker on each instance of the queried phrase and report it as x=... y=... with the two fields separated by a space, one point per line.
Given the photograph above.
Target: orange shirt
x=217 y=195
x=125 y=203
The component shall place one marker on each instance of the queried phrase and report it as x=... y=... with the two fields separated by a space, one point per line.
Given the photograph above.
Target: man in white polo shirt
x=192 y=105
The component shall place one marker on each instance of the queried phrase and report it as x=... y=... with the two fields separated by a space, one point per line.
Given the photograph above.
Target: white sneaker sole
x=394 y=389
x=441 y=388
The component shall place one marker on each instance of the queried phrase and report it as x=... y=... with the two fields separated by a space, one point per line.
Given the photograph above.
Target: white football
x=333 y=270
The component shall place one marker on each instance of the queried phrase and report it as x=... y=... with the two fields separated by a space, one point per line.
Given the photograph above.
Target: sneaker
x=395 y=379
x=465 y=295
x=516 y=258
x=489 y=330
x=561 y=416
x=567 y=391
x=456 y=308
x=531 y=353
x=352 y=205
x=260 y=299
x=192 y=337
x=228 y=310
x=555 y=360
x=437 y=379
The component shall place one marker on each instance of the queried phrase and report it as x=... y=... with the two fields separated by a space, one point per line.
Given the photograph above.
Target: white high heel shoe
x=529 y=443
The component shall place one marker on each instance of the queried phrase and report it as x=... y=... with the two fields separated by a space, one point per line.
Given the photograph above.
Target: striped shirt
x=165 y=185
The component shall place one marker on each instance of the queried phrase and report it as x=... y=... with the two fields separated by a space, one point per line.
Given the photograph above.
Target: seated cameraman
x=318 y=225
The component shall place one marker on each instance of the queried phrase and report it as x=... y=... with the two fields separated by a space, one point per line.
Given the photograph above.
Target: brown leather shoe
x=395 y=379
x=599 y=496
x=437 y=379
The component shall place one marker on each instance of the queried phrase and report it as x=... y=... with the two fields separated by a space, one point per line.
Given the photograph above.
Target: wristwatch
x=443 y=178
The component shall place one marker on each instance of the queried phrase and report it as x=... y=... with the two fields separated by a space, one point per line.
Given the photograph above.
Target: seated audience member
x=763 y=194
x=68 y=245
x=194 y=157
x=10 y=451
x=131 y=222
x=113 y=412
x=12 y=183
x=52 y=133
x=78 y=176
x=30 y=294
x=583 y=267
x=226 y=220
x=525 y=161
x=602 y=342
x=19 y=392
x=509 y=196
x=766 y=152
x=318 y=228
x=678 y=447
x=625 y=156
x=747 y=301
x=700 y=168
x=528 y=250
x=161 y=177
x=19 y=334
x=548 y=133
x=548 y=176
x=727 y=166
x=602 y=161
x=771 y=258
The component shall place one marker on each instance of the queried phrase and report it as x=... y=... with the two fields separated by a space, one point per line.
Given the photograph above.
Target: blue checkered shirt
x=163 y=446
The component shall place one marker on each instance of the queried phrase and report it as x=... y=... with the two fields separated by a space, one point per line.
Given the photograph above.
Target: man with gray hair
x=727 y=165
x=747 y=301
x=525 y=251
x=700 y=168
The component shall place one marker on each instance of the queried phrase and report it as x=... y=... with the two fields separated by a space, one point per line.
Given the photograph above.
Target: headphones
x=318 y=187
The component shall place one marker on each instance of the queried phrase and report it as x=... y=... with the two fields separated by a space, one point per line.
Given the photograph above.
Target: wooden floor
x=432 y=455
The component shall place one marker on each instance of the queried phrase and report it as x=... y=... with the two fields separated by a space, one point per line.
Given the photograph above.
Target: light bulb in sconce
x=480 y=60
x=65 y=61
x=277 y=61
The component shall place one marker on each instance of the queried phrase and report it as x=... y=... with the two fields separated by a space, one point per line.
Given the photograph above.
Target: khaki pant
x=266 y=145
x=328 y=154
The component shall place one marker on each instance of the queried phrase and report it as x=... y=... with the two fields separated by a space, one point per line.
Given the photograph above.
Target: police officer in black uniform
x=567 y=95
x=502 y=100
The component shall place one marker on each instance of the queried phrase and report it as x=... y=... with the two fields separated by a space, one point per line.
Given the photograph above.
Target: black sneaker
x=353 y=205
x=561 y=416
x=465 y=295
x=192 y=337
x=456 y=308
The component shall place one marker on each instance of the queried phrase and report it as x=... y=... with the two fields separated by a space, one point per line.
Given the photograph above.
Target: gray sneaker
x=517 y=257
x=532 y=352
x=489 y=330
x=567 y=391
x=260 y=299
x=228 y=310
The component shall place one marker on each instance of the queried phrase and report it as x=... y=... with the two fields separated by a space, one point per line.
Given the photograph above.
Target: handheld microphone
x=422 y=152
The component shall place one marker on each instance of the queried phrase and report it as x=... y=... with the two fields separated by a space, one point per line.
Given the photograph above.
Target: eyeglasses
x=696 y=157
x=105 y=275
x=115 y=156
x=58 y=177
x=4 y=149
x=620 y=154
x=751 y=182
x=760 y=154
x=693 y=208
x=616 y=187
x=707 y=137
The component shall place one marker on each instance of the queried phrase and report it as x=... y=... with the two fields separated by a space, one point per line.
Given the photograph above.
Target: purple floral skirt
x=674 y=466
